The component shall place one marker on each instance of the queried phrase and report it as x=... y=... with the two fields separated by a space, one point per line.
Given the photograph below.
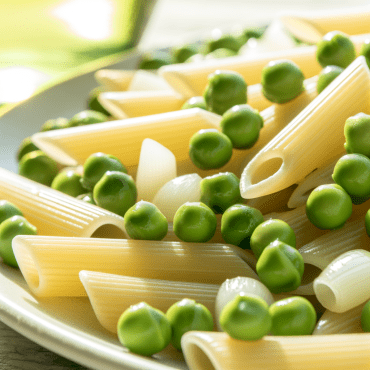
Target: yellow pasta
x=209 y=350
x=313 y=138
x=55 y=213
x=114 y=80
x=51 y=265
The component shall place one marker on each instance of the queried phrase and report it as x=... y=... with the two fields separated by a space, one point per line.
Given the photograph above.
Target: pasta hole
x=266 y=170
x=325 y=295
x=109 y=231
x=199 y=359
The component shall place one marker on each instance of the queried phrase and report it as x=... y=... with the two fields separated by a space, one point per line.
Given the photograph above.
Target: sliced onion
x=144 y=80
x=176 y=192
x=157 y=166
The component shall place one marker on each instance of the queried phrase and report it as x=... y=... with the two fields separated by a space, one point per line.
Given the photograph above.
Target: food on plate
x=25 y=147
x=87 y=117
x=326 y=76
x=357 y=134
x=195 y=102
x=55 y=124
x=68 y=181
x=8 y=209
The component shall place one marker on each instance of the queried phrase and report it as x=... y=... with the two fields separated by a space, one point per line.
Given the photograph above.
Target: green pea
x=329 y=206
x=224 y=90
x=220 y=191
x=246 y=317
x=144 y=221
x=87 y=117
x=280 y=267
x=97 y=165
x=195 y=102
x=357 y=134
x=11 y=227
x=269 y=231
x=210 y=149
x=365 y=51
x=144 y=330
x=26 y=146
x=238 y=223
x=37 y=166
x=196 y=58
x=242 y=125
x=68 y=182
x=155 y=60
x=187 y=315
x=220 y=53
x=194 y=222
x=255 y=32
x=224 y=42
x=116 y=192
x=282 y=81
x=335 y=48
x=55 y=124
x=88 y=198
x=293 y=316
x=182 y=53
x=365 y=317
x=326 y=76
x=352 y=173
x=8 y=210
x=93 y=102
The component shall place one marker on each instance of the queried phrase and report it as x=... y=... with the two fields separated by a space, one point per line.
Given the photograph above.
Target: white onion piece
x=144 y=80
x=176 y=192
x=157 y=165
x=232 y=287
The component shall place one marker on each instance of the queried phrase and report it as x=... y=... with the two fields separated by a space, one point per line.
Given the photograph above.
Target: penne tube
x=123 y=138
x=344 y=283
x=340 y=323
x=218 y=351
x=114 y=80
x=190 y=79
x=110 y=295
x=51 y=265
x=313 y=138
x=55 y=213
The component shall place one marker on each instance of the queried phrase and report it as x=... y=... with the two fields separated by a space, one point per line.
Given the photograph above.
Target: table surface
x=173 y=21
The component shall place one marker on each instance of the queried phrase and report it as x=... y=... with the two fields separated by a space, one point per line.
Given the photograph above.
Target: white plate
x=67 y=326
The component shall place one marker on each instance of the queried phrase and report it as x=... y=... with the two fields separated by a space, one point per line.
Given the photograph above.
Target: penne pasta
x=209 y=350
x=55 y=213
x=114 y=80
x=306 y=143
x=191 y=79
x=51 y=265
x=110 y=295
x=344 y=283
x=340 y=323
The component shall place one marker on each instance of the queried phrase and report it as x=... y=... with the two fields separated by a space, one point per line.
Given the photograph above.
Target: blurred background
x=42 y=39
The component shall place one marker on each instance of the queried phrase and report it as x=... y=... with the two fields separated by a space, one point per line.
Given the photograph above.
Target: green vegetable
x=187 y=315
x=26 y=146
x=144 y=330
x=11 y=227
x=269 y=231
x=145 y=221
x=8 y=210
x=224 y=90
x=357 y=134
x=194 y=222
x=246 y=317
x=182 y=53
x=155 y=60
x=365 y=317
x=352 y=173
x=282 y=81
x=238 y=223
x=365 y=51
x=336 y=49
x=68 y=182
x=87 y=117
x=210 y=149
x=195 y=102
x=88 y=198
x=220 y=191
x=280 y=267
x=293 y=316
x=224 y=42
x=242 y=125
x=93 y=102
x=55 y=124
x=255 y=32
x=326 y=76
x=37 y=166
x=329 y=206
x=220 y=53
x=97 y=165
x=116 y=192
x=367 y=222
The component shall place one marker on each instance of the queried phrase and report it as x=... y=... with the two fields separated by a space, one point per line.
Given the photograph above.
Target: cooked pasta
x=51 y=265
x=114 y=80
x=304 y=143
x=207 y=350
x=110 y=295
x=55 y=213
